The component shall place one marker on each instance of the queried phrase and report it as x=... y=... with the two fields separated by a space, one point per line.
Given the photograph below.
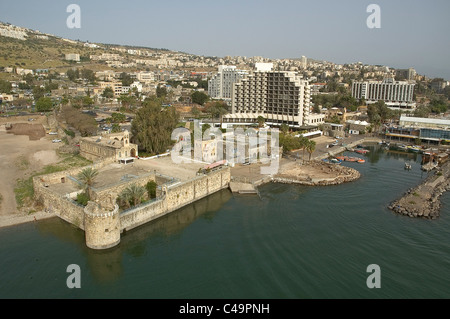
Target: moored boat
x=361 y=161
x=361 y=151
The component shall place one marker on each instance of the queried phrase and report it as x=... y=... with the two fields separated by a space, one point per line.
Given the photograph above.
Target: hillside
x=34 y=50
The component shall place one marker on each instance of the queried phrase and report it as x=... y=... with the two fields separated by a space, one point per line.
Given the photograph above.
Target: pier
x=423 y=200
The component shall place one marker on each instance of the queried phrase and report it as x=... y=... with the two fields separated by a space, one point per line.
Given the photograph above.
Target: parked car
x=56 y=141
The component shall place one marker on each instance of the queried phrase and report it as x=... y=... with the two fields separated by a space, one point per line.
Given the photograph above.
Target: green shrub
x=151 y=189
x=82 y=199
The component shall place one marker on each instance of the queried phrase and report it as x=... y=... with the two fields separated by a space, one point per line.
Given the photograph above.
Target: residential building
x=304 y=62
x=396 y=94
x=145 y=77
x=406 y=74
x=221 y=84
x=73 y=57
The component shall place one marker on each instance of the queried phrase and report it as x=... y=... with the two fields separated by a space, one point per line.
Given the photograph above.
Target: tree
x=199 y=97
x=151 y=189
x=87 y=101
x=116 y=128
x=127 y=80
x=88 y=75
x=195 y=112
x=131 y=196
x=161 y=92
x=127 y=100
x=108 y=93
x=118 y=117
x=261 y=121
x=5 y=87
x=152 y=127
x=316 y=109
x=216 y=109
x=44 y=104
x=87 y=178
x=310 y=147
x=284 y=128
x=73 y=75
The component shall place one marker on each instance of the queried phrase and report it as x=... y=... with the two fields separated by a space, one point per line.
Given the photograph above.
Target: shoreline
x=19 y=219
x=423 y=200
x=352 y=174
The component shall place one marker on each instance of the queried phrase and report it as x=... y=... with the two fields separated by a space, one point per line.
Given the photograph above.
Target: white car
x=53 y=133
x=56 y=141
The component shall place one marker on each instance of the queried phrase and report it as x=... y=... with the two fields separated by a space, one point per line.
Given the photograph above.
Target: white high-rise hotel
x=221 y=84
x=396 y=94
x=280 y=97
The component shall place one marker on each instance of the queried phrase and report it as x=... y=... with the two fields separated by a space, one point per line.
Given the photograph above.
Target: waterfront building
x=425 y=129
x=220 y=86
x=280 y=97
x=396 y=94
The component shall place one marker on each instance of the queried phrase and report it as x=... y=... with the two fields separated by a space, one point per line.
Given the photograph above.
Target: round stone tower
x=101 y=226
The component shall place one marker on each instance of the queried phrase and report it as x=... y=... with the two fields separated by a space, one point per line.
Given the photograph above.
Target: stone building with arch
x=115 y=145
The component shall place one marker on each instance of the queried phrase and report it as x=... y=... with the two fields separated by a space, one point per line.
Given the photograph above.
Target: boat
x=342 y=158
x=415 y=149
x=408 y=166
x=361 y=161
x=335 y=161
x=353 y=159
x=402 y=147
x=361 y=151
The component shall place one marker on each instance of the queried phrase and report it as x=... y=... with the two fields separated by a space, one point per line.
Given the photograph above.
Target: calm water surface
x=294 y=242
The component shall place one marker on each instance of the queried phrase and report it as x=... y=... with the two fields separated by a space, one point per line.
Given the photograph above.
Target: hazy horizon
x=412 y=33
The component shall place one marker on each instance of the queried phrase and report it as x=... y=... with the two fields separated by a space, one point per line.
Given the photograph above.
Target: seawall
x=423 y=201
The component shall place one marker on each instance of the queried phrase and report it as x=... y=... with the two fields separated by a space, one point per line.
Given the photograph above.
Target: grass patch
x=412 y=202
x=24 y=190
x=22 y=163
x=415 y=194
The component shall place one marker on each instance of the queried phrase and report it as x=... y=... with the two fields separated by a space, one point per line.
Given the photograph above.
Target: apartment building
x=145 y=77
x=280 y=97
x=221 y=84
x=396 y=94
x=73 y=57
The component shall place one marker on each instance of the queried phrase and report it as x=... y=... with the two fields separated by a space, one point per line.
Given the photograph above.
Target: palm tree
x=87 y=177
x=133 y=194
x=303 y=144
x=310 y=147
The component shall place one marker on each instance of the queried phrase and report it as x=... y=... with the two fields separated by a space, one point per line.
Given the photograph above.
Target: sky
x=412 y=33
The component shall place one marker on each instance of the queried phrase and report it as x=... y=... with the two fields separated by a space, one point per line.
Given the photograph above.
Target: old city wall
x=114 y=190
x=177 y=196
x=61 y=206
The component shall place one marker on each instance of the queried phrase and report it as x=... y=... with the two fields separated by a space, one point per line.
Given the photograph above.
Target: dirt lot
x=19 y=157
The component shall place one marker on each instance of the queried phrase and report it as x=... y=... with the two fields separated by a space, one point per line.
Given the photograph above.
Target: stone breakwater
x=317 y=174
x=423 y=200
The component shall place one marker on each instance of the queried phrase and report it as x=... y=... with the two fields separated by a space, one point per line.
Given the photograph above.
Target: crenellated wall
x=102 y=226
x=176 y=196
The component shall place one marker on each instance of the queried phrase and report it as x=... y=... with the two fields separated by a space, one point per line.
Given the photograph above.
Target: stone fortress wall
x=101 y=219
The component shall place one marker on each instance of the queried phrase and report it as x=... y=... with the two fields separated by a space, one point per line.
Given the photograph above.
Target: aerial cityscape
x=191 y=161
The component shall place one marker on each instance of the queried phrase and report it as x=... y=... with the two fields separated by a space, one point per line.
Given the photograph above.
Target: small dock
x=243 y=188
